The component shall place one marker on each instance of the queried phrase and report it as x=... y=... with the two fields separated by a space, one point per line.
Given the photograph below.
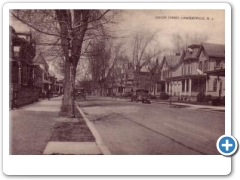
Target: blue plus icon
x=227 y=145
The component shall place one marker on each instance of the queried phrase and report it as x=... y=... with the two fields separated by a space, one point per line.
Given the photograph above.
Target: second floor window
x=183 y=85
x=218 y=65
x=165 y=73
x=16 y=50
x=215 y=84
x=185 y=69
x=200 y=65
x=189 y=68
x=205 y=66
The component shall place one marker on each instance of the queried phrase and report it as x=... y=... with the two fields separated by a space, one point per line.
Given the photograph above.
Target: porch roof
x=46 y=81
x=202 y=76
x=218 y=72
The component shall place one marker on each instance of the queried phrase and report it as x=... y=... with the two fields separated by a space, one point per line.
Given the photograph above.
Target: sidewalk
x=37 y=129
x=166 y=102
x=192 y=106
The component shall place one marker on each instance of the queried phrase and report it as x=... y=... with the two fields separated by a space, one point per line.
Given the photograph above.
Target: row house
x=40 y=62
x=171 y=74
x=153 y=76
x=123 y=82
x=200 y=68
x=21 y=53
x=29 y=77
x=128 y=78
x=47 y=77
x=59 y=87
x=132 y=78
x=22 y=50
x=212 y=63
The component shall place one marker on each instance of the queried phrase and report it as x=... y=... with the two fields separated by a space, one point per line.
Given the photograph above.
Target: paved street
x=136 y=128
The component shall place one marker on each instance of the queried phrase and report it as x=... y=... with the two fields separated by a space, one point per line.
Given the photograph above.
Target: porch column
x=180 y=89
x=206 y=86
x=178 y=92
x=19 y=73
x=155 y=89
x=219 y=90
x=34 y=81
x=185 y=87
x=169 y=88
x=43 y=82
x=173 y=88
x=190 y=88
x=165 y=87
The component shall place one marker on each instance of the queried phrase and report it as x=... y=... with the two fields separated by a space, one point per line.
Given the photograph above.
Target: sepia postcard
x=109 y=79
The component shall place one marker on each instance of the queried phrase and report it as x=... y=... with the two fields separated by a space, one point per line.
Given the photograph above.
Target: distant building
x=39 y=61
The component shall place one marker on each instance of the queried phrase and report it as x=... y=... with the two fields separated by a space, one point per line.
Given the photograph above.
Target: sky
x=165 y=23
x=169 y=22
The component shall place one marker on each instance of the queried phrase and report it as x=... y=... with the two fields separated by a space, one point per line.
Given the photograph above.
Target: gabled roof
x=173 y=61
x=144 y=69
x=38 y=67
x=192 y=52
x=214 y=50
x=152 y=66
x=39 y=59
x=51 y=73
x=12 y=32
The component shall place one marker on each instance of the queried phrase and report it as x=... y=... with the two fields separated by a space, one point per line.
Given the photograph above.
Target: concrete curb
x=78 y=148
x=103 y=148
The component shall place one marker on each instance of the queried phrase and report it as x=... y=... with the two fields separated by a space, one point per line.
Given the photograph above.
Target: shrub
x=152 y=96
x=164 y=96
x=208 y=98
x=200 y=97
x=127 y=94
x=216 y=101
x=222 y=100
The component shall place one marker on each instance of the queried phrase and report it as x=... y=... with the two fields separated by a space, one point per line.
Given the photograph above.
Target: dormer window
x=190 y=50
x=16 y=50
x=218 y=63
x=200 y=65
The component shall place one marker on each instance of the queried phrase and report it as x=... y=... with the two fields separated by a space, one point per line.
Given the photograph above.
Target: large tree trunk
x=67 y=93
x=71 y=40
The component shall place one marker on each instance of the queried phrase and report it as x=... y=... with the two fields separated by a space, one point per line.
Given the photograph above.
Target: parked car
x=55 y=94
x=80 y=93
x=140 y=95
